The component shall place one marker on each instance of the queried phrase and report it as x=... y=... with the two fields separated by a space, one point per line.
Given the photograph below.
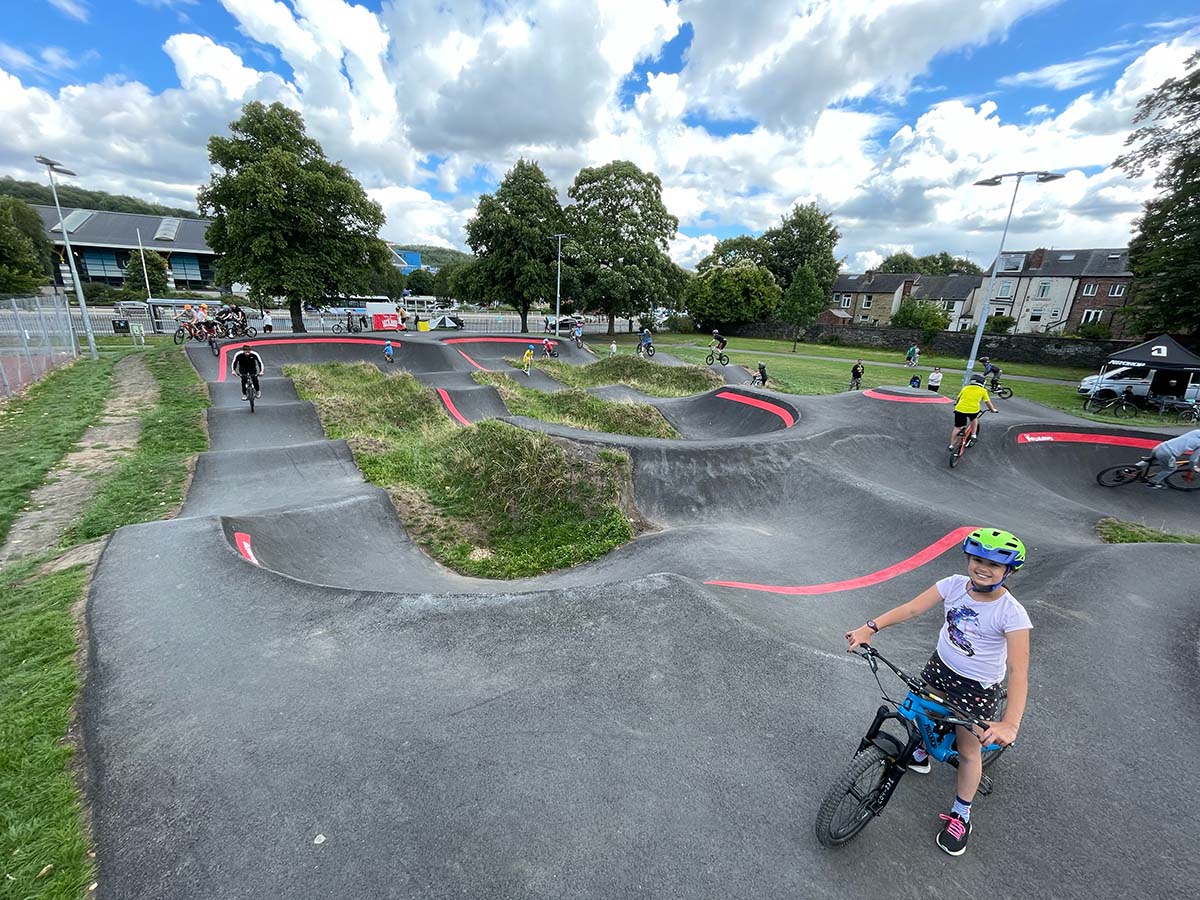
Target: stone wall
x=1027 y=348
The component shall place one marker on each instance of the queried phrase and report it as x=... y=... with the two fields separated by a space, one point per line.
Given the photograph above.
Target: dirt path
x=72 y=483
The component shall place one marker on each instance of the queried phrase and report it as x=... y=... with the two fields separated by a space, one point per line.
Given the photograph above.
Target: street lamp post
x=53 y=166
x=558 y=284
x=995 y=181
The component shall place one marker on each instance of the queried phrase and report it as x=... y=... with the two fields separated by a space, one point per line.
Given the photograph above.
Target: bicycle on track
x=1184 y=478
x=647 y=349
x=866 y=785
x=1003 y=391
x=715 y=356
x=962 y=442
x=351 y=326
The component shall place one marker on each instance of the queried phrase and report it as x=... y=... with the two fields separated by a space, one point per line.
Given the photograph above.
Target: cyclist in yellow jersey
x=968 y=407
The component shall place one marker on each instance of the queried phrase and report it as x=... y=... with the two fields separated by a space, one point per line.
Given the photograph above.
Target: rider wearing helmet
x=983 y=639
x=718 y=340
x=967 y=408
x=547 y=346
x=527 y=359
x=187 y=319
x=248 y=365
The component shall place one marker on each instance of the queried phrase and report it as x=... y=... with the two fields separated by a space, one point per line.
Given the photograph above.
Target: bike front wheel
x=249 y=331
x=1004 y=393
x=1115 y=476
x=708 y=360
x=849 y=806
x=212 y=345
x=180 y=336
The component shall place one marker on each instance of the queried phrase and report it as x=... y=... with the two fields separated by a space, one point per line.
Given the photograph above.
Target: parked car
x=566 y=323
x=1142 y=382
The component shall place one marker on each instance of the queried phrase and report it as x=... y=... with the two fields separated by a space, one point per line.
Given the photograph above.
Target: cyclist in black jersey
x=719 y=340
x=248 y=365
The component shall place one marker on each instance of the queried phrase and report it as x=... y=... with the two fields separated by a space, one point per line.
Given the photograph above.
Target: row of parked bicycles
x=1126 y=406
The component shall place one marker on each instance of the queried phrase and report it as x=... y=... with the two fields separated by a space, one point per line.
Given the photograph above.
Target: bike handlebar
x=870 y=654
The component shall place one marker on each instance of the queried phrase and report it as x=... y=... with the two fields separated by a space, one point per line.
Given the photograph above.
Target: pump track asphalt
x=286 y=698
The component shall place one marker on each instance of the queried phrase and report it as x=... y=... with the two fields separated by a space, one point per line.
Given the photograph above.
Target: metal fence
x=35 y=338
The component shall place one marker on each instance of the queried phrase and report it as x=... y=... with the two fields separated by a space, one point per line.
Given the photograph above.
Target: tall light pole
x=558 y=283
x=53 y=166
x=995 y=181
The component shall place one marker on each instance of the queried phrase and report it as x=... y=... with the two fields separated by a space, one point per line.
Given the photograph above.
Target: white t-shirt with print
x=972 y=641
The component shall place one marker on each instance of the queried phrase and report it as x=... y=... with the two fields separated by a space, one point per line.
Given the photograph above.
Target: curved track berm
x=287 y=698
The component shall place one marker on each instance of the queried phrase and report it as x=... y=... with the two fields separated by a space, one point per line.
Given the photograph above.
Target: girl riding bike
x=984 y=637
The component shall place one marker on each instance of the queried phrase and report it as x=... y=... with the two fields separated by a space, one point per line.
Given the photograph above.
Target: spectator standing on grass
x=266 y=322
x=935 y=380
x=612 y=349
x=856 y=374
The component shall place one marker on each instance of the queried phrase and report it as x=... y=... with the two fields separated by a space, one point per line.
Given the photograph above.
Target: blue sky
x=738 y=109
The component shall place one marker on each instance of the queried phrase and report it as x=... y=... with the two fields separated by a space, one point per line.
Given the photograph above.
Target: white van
x=1142 y=381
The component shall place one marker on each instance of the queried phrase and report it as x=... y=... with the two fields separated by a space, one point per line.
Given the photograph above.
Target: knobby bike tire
x=851 y=789
x=180 y=336
x=709 y=360
x=249 y=331
x=1184 y=480
x=250 y=397
x=337 y=328
x=1004 y=393
x=1125 y=411
x=1115 y=476
x=1189 y=415
x=212 y=345
x=650 y=351
x=957 y=452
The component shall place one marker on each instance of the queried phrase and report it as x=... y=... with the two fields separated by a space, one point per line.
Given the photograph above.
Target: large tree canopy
x=286 y=220
x=933 y=264
x=29 y=223
x=156 y=273
x=1164 y=254
x=733 y=251
x=512 y=235
x=726 y=296
x=620 y=231
x=806 y=235
x=21 y=270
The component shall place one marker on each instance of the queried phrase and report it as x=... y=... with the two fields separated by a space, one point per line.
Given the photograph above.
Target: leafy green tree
x=805 y=235
x=466 y=282
x=421 y=283
x=620 y=232
x=21 y=271
x=930 y=317
x=803 y=300
x=25 y=217
x=727 y=296
x=996 y=324
x=511 y=235
x=286 y=220
x=734 y=250
x=387 y=281
x=933 y=264
x=1164 y=254
x=156 y=272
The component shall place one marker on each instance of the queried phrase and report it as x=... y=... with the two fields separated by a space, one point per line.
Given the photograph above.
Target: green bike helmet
x=1002 y=547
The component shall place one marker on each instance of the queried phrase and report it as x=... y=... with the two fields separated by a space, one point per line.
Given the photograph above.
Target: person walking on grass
x=388 y=352
x=612 y=349
x=527 y=359
x=911 y=355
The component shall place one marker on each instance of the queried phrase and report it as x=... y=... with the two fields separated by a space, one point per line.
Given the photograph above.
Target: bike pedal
x=985 y=786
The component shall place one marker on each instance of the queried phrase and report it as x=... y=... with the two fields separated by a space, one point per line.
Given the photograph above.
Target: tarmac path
x=286 y=697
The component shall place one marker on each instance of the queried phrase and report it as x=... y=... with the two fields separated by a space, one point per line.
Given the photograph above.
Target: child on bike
x=984 y=637
x=388 y=352
x=760 y=377
x=1173 y=452
x=644 y=342
x=546 y=348
x=992 y=371
x=527 y=359
x=718 y=341
x=248 y=365
x=968 y=407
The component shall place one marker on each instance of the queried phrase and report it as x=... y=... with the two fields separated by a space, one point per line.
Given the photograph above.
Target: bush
x=923 y=314
x=679 y=323
x=830 y=337
x=999 y=325
x=1096 y=331
x=96 y=291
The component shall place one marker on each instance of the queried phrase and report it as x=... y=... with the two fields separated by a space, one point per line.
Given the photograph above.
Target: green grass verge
x=1114 y=531
x=490 y=500
x=579 y=409
x=149 y=483
x=648 y=377
x=39 y=427
x=41 y=822
x=868 y=354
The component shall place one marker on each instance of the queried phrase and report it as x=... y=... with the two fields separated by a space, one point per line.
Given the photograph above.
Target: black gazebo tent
x=1167 y=357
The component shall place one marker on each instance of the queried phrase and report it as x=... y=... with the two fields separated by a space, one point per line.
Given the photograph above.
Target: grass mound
x=491 y=500
x=579 y=409
x=648 y=377
x=1114 y=531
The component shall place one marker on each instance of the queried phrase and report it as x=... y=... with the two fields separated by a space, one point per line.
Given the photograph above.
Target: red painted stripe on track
x=1076 y=437
x=243 y=544
x=876 y=395
x=471 y=361
x=934 y=550
x=450 y=407
x=222 y=360
x=788 y=419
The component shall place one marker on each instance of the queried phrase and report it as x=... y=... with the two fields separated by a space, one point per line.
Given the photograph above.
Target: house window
x=864 y=318
x=1012 y=263
x=1043 y=289
x=102 y=264
x=1066 y=256
x=1116 y=290
x=1092 y=315
x=948 y=305
x=847 y=299
x=1035 y=314
x=866 y=304
x=1089 y=289
x=1005 y=289
x=185 y=267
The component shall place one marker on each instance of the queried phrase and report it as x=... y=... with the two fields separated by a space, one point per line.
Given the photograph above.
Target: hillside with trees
x=70 y=195
x=436 y=256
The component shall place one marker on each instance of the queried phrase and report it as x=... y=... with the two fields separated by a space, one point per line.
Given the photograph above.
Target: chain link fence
x=35 y=338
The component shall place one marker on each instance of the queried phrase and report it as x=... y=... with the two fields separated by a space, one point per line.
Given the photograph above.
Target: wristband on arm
x=871 y=624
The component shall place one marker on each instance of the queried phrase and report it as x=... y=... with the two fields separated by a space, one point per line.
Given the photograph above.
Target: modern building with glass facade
x=102 y=242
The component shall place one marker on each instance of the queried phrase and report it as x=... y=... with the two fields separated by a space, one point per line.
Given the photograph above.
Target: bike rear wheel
x=723 y=359
x=957 y=451
x=1115 y=476
x=1184 y=480
x=848 y=807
